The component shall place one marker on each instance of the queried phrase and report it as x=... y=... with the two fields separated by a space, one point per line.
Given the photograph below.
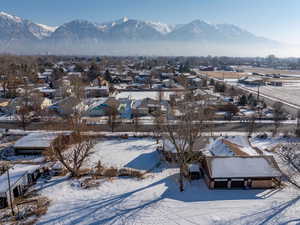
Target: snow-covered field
x=288 y=93
x=135 y=153
x=156 y=199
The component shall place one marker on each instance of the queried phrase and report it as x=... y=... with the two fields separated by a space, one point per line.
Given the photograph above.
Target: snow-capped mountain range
x=13 y=27
x=17 y=30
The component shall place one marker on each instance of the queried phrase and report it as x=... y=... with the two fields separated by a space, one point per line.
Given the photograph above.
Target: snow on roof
x=243 y=142
x=168 y=146
x=96 y=88
x=238 y=167
x=47 y=73
x=138 y=95
x=15 y=174
x=194 y=168
x=96 y=102
x=219 y=148
x=47 y=90
x=36 y=140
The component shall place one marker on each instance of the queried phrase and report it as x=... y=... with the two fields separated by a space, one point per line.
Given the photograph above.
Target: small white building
x=35 y=143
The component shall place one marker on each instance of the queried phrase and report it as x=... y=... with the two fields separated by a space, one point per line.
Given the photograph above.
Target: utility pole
x=9 y=189
x=258 y=91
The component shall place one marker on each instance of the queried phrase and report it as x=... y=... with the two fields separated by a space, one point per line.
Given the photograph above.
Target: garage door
x=220 y=184
x=237 y=183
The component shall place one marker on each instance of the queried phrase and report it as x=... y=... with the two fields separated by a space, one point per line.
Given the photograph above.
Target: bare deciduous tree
x=297 y=131
x=290 y=155
x=77 y=88
x=157 y=125
x=25 y=108
x=183 y=134
x=112 y=113
x=136 y=120
x=277 y=114
x=251 y=125
x=72 y=150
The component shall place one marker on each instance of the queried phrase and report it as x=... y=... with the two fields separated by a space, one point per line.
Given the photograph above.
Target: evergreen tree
x=107 y=76
x=243 y=100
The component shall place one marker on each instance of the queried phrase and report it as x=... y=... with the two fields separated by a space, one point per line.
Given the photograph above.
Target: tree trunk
x=181 y=186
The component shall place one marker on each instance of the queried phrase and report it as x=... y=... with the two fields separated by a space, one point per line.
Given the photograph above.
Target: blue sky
x=276 y=19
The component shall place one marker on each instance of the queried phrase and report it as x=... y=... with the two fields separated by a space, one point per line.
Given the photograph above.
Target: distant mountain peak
x=199 y=21
x=161 y=27
x=11 y=17
x=46 y=27
x=89 y=34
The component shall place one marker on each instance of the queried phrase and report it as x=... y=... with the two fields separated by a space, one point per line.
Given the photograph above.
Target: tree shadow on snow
x=272 y=215
x=146 y=161
x=44 y=185
x=126 y=207
x=128 y=140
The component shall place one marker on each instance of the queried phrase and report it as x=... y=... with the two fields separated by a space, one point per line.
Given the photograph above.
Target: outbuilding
x=20 y=178
x=241 y=172
x=35 y=143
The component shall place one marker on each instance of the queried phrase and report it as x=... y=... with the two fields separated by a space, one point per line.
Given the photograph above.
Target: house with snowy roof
x=241 y=172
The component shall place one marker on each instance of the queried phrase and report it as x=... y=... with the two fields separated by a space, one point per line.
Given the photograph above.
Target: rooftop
x=242 y=166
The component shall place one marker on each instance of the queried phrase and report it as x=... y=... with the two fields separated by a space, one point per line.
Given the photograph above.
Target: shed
x=35 y=143
x=21 y=177
x=241 y=172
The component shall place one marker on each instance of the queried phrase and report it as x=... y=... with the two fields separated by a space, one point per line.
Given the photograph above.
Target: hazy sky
x=275 y=19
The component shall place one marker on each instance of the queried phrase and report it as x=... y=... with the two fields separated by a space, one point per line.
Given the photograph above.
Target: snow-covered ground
x=156 y=199
x=135 y=153
x=288 y=94
x=268 y=144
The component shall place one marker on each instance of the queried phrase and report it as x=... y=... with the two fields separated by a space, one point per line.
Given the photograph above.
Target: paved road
x=219 y=126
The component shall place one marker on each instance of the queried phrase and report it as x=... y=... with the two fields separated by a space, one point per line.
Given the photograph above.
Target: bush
x=99 y=169
x=84 y=172
x=297 y=132
x=110 y=172
x=126 y=172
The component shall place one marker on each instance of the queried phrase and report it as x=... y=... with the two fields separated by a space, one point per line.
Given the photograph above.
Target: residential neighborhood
x=121 y=137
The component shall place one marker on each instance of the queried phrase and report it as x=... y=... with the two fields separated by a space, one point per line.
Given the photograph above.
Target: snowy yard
x=268 y=144
x=135 y=153
x=156 y=199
